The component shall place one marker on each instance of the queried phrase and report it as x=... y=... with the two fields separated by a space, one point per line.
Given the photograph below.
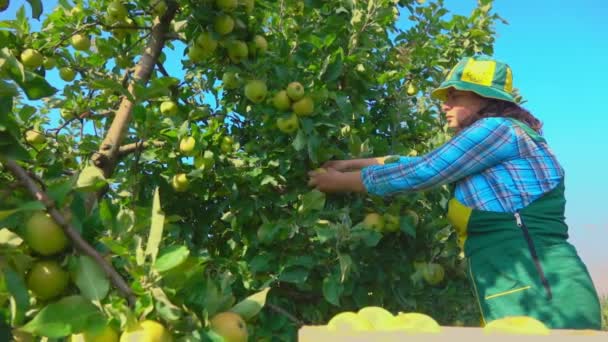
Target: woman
x=508 y=201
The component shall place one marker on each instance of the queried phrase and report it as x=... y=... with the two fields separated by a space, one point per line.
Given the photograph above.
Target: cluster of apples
x=32 y=59
x=188 y=147
x=387 y=223
x=46 y=279
x=224 y=23
x=292 y=98
x=374 y=318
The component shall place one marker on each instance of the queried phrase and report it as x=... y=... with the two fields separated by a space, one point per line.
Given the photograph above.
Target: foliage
x=247 y=220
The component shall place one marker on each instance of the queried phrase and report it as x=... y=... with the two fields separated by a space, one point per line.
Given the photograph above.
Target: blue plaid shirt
x=495 y=164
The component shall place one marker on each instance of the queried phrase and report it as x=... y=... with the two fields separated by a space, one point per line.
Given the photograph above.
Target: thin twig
x=78 y=241
x=162 y=69
x=75 y=32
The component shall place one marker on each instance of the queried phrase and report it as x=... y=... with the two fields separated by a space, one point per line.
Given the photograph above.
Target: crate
x=451 y=334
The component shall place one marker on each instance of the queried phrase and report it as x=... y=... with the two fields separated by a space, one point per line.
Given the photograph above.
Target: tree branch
x=107 y=156
x=138 y=146
x=78 y=241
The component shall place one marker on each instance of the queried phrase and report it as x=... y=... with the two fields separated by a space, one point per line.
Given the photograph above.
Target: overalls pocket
x=504 y=284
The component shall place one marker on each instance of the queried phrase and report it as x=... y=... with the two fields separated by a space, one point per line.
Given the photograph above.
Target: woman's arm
x=484 y=144
x=332 y=180
x=353 y=164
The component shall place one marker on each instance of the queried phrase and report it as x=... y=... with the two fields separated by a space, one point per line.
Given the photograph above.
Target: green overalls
x=521 y=263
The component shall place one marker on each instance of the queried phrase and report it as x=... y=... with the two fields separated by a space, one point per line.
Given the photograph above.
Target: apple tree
x=150 y=199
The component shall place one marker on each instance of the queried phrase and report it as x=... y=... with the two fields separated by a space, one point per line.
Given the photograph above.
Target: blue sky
x=557 y=50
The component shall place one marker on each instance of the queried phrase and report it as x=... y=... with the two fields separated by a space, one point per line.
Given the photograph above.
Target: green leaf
x=407 y=226
x=165 y=309
x=313 y=200
x=156 y=228
x=27 y=206
x=111 y=84
x=6 y=107
x=34 y=86
x=346 y=264
x=334 y=69
x=296 y=275
x=11 y=148
x=8 y=238
x=300 y=141
x=59 y=191
x=90 y=179
x=16 y=287
x=66 y=316
x=251 y=306
x=8 y=89
x=171 y=258
x=332 y=289
x=36 y=8
x=261 y=263
x=91 y=279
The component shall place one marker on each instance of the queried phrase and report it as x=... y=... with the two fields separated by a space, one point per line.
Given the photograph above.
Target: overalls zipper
x=539 y=268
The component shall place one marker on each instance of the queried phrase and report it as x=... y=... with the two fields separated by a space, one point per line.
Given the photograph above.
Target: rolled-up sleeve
x=486 y=143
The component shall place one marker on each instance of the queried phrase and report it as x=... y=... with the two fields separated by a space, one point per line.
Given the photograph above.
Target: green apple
x=117 y=11
x=205 y=162
x=237 y=51
x=255 y=91
x=76 y=11
x=206 y=41
x=230 y=80
x=49 y=63
x=66 y=114
x=31 y=58
x=81 y=42
x=227 y=5
x=281 y=101
x=168 y=108
x=295 y=91
x=226 y=144
x=196 y=54
x=374 y=221
x=128 y=27
x=248 y=4
x=67 y=74
x=433 y=273
x=288 y=124
x=43 y=235
x=223 y=24
x=160 y=8
x=411 y=89
x=47 y=279
x=391 y=223
x=261 y=44
x=180 y=182
x=3 y=5
x=34 y=137
x=186 y=146
x=304 y=106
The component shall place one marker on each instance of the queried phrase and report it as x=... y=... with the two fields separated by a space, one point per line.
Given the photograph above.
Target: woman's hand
x=338 y=165
x=332 y=180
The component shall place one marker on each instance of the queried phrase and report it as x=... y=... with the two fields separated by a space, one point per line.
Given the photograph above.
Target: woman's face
x=459 y=105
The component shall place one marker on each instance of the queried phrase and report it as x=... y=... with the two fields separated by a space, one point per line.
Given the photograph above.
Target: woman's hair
x=500 y=108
